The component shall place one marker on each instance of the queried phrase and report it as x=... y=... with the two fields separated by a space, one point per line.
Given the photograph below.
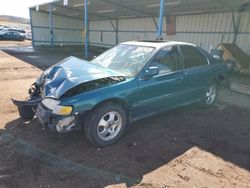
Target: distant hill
x=14 y=19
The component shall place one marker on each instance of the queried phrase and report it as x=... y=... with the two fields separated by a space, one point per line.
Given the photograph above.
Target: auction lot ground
x=185 y=147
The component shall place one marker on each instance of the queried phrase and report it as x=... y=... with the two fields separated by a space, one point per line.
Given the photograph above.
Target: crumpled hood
x=67 y=74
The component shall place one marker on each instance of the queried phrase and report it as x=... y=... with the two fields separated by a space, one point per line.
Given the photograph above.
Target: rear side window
x=192 y=57
x=166 y=60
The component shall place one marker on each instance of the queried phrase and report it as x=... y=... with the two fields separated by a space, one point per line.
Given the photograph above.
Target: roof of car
x=157 y=43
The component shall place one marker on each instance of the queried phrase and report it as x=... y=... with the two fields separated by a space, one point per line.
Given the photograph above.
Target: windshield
x=3 y=31
x=126 y=59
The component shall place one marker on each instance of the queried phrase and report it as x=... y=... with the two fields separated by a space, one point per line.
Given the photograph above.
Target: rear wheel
x=209 y=95
x=105 y=124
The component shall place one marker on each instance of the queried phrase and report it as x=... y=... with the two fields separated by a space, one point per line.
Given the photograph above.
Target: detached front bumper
x=28 y=109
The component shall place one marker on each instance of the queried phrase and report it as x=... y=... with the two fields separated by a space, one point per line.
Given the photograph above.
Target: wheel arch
x=115 y=100
x=220 y=80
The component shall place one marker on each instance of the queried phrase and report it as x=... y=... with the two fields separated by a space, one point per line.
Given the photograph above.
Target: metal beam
x=110 y=21
x=115 y=27
x=32 y=31
x=236 y=24
x=161 y=14
x=51 y=27
x=156 y=26
x=86 y=29
x=116 y=32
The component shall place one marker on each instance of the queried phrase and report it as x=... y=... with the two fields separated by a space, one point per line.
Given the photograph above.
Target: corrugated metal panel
x=245 y=22
x=64 y=36
x=102 y=37
x=210 y=29
x=243 y=39
x=102 y=33
x=65 y=22
x=39 y=18
x=95 y=36
x=41 y=34
x=66 y=30
x=109 y=38
x=129 y=29
x=205 y=30
x=101 y=25
x=139 y=24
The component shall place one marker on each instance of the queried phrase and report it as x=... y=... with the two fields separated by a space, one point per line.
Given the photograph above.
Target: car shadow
x=149 y=144
x=44 y=58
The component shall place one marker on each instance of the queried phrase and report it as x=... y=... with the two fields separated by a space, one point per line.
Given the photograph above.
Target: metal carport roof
x=119 y=9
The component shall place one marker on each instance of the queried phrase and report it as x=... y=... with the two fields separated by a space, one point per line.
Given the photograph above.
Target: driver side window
x=166 y=60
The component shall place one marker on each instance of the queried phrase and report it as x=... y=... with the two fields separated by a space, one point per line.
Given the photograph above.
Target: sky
x=18 y=8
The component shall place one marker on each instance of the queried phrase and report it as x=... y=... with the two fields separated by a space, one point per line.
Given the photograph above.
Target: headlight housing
x=50 y=103
x=63 y=110
x=57 y=109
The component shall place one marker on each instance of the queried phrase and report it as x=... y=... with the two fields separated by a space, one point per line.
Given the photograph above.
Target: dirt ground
x=185 y=147
x=14 y=43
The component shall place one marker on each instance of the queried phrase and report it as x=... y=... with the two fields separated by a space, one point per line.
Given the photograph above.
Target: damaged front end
x=44 y=103
x=68 y=78
x=48 y=111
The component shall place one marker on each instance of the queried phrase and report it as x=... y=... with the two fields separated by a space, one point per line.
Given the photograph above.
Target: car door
x=164 y=90
x=196 y=70
x=8 y=35
x=15 y=35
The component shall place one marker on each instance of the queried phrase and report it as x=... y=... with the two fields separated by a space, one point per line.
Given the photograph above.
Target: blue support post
x=161 y=14
x=51 y=27
x=31 y=26
x=86 y=29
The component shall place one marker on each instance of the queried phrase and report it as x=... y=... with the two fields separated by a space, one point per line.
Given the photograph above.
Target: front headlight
x=57 y=109
x=63 y=110
x=50 y=103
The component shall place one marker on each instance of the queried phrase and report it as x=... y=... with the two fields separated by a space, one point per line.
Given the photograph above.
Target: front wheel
x=105 y=124
x=209 y=96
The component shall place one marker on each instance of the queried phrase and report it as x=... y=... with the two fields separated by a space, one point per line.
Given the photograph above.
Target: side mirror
x=217 y=53
x=150 y=72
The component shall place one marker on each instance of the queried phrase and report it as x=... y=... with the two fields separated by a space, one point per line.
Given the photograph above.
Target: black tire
x=93 y=118
x=205 y=100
